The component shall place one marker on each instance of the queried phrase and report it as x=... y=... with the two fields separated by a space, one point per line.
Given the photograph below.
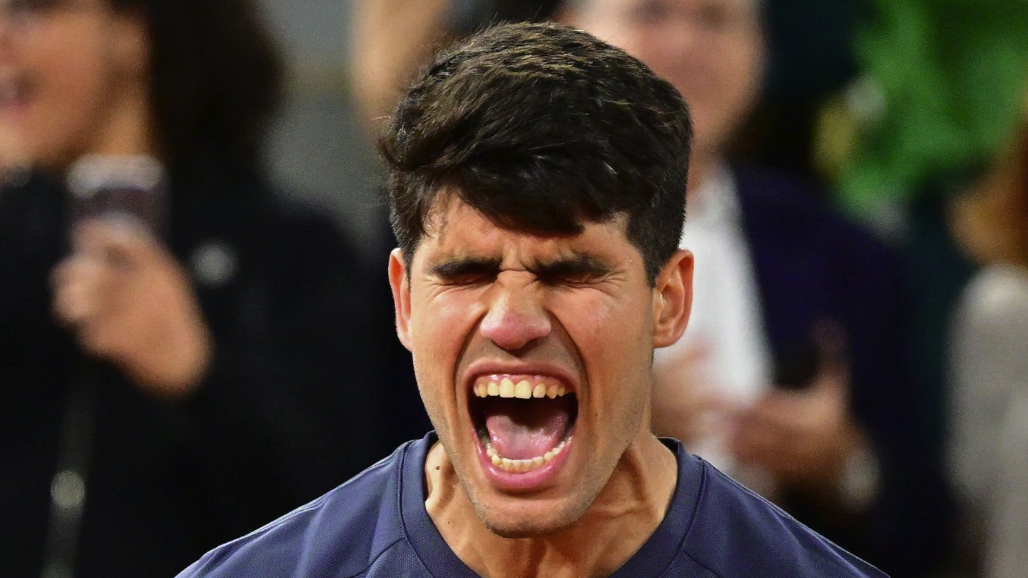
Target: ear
x=672 y=299
x=401 y=296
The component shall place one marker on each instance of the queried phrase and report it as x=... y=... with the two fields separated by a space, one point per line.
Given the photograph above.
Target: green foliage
x=953 y=75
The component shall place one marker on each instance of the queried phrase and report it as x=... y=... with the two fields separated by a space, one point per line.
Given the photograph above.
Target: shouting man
x=536 y=178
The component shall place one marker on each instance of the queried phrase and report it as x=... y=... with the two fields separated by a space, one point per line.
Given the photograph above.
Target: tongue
x=523 y=429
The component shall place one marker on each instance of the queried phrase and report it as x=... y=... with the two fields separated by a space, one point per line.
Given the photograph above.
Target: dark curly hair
x=542 y=127
x=216 y=78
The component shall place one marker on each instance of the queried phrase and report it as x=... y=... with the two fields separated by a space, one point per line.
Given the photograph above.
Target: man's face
x=532 y=354
x=711 y=50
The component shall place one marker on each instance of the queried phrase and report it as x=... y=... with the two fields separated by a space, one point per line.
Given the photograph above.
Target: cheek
x=721 y=102
x=430 y=376
x=608 y=334
x=616 y=347
x=741 y=75
x=439 y=330
x=439 y=322
x=71 y=85
x=663 y=59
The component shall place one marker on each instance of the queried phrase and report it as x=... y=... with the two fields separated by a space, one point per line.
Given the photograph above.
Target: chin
x=529 y=522
x=515 y=529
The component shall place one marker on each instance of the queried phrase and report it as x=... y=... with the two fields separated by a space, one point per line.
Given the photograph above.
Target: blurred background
x=905 y=120
x=317 y=145
x=909 y=117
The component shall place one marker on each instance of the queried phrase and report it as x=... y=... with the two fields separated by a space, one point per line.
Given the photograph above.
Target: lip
x=527 y=481
x=544 y=475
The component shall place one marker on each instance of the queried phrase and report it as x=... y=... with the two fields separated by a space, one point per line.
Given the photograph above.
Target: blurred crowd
x=187 y=351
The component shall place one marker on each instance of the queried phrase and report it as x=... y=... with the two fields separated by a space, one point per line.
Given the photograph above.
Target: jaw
x=518 y=513
x=529 y=518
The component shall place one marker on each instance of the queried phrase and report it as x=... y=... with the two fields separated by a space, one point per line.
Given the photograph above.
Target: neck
x=129 y=129
x=620 y=520
x=125 y=128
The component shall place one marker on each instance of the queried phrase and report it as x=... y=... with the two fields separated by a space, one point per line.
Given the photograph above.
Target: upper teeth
x=522 y=389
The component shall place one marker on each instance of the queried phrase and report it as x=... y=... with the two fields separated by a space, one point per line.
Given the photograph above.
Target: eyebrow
x=466 y=266
x=577 y=265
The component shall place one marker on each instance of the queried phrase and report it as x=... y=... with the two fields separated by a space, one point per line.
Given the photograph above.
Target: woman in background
x=163 y=388
x=989 y=413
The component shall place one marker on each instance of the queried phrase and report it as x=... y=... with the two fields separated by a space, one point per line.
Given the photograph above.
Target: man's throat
x=614 y=527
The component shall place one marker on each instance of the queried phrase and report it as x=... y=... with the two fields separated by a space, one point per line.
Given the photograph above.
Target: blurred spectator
x=392 y=38
x=810 y=60
x=163 y=389
x=940 y=86
x=793 y=373
x=989 y=413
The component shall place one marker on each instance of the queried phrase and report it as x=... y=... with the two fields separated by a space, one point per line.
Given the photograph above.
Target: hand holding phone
x=131 y=188
x=124 y=295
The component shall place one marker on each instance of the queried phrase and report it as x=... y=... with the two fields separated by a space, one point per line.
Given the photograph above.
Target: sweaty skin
x=578 y=309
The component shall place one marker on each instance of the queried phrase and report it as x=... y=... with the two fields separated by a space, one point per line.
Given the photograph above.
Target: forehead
x=453 y=228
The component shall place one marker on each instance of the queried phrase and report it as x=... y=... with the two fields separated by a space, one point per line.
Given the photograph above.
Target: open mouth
x=523 y=422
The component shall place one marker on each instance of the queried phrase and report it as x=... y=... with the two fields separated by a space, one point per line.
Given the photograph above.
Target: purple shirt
x=376 y=525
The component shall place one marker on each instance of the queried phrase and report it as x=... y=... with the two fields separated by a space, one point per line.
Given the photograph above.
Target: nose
x=516 y=317
x=679 y=36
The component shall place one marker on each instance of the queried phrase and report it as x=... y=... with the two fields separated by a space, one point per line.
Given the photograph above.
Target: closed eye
x=579 y=270
x=466 y=271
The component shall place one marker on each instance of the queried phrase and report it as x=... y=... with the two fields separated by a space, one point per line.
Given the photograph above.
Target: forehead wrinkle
x=512 y=247
x=564 y=256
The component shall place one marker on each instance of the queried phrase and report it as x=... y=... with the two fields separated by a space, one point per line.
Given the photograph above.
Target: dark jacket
x=814 y=266
x=286 y=412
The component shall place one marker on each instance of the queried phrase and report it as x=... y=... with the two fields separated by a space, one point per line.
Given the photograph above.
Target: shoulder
x=791 y=228
x=342 y=533
x=308 y=237
x=998 y=296
x=777 y=200
x=735 y=533
x=272 y=240
x=247 y=203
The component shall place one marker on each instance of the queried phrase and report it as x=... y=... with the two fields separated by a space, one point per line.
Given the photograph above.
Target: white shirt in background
x=726 y=317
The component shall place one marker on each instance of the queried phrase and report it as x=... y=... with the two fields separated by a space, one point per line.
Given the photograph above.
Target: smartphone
x=799 y=364
x=796 y=366
x=119 y=187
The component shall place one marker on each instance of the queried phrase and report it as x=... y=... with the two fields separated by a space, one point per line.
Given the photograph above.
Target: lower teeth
x=521 y=466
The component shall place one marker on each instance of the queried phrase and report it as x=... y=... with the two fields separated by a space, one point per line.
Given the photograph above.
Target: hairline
x=445 y=196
